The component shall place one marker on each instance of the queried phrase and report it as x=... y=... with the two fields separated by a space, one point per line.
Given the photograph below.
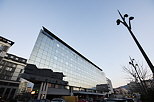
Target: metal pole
x=133 y=36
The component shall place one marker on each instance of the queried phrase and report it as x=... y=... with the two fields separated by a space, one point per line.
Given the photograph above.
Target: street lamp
x=128 y=26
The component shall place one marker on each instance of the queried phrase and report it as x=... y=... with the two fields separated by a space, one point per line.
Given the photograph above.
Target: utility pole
x=128 y=26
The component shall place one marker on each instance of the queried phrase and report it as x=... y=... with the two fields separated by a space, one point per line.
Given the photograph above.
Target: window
x=58 y=45
x=17 y=70
x=14 y=65
x=17 y=58
x=1 y=66
x=7 y=78
x=11 y=56
x=51 y=85
x=23 y=60
x=8 y=69
x=6 y=55
x=3 y=48
x=55 y=57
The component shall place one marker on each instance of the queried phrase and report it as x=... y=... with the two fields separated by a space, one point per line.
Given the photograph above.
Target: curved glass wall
x=48 y=52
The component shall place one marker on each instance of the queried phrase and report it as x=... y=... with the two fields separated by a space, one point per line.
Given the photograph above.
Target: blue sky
x=89 y=26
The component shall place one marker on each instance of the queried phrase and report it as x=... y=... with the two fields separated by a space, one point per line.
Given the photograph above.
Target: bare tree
x=138 y=74
x=131 y=73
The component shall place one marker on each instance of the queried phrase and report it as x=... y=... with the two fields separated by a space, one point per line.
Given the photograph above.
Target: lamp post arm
x=142 y=51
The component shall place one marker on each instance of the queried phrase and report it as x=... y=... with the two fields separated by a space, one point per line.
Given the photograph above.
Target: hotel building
x=52 y=53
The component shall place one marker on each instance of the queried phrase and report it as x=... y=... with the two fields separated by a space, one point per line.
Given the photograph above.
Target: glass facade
x=51 y=52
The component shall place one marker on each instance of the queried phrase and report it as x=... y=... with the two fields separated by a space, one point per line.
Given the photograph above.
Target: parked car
x=58 y=100
x=129 y=100
x=82 y=100
x=115 y=100
x=41 y=100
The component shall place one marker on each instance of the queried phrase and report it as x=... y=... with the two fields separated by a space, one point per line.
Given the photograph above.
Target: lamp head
x=126 y=15
x=118 y=21
x=131 y=18
x=130 y=63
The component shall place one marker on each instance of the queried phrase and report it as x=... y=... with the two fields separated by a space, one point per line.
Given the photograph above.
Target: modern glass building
x=51 y=52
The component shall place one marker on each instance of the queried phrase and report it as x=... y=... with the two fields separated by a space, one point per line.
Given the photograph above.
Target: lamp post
x=128 y=26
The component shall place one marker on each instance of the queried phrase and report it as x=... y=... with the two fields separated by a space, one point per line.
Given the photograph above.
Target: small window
x=17 y=58
x=8 y=69
x=13 y=65
x=6 y=55
x=55 y=57
x=58 y=45
x=11 y=56
x=23 y=60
